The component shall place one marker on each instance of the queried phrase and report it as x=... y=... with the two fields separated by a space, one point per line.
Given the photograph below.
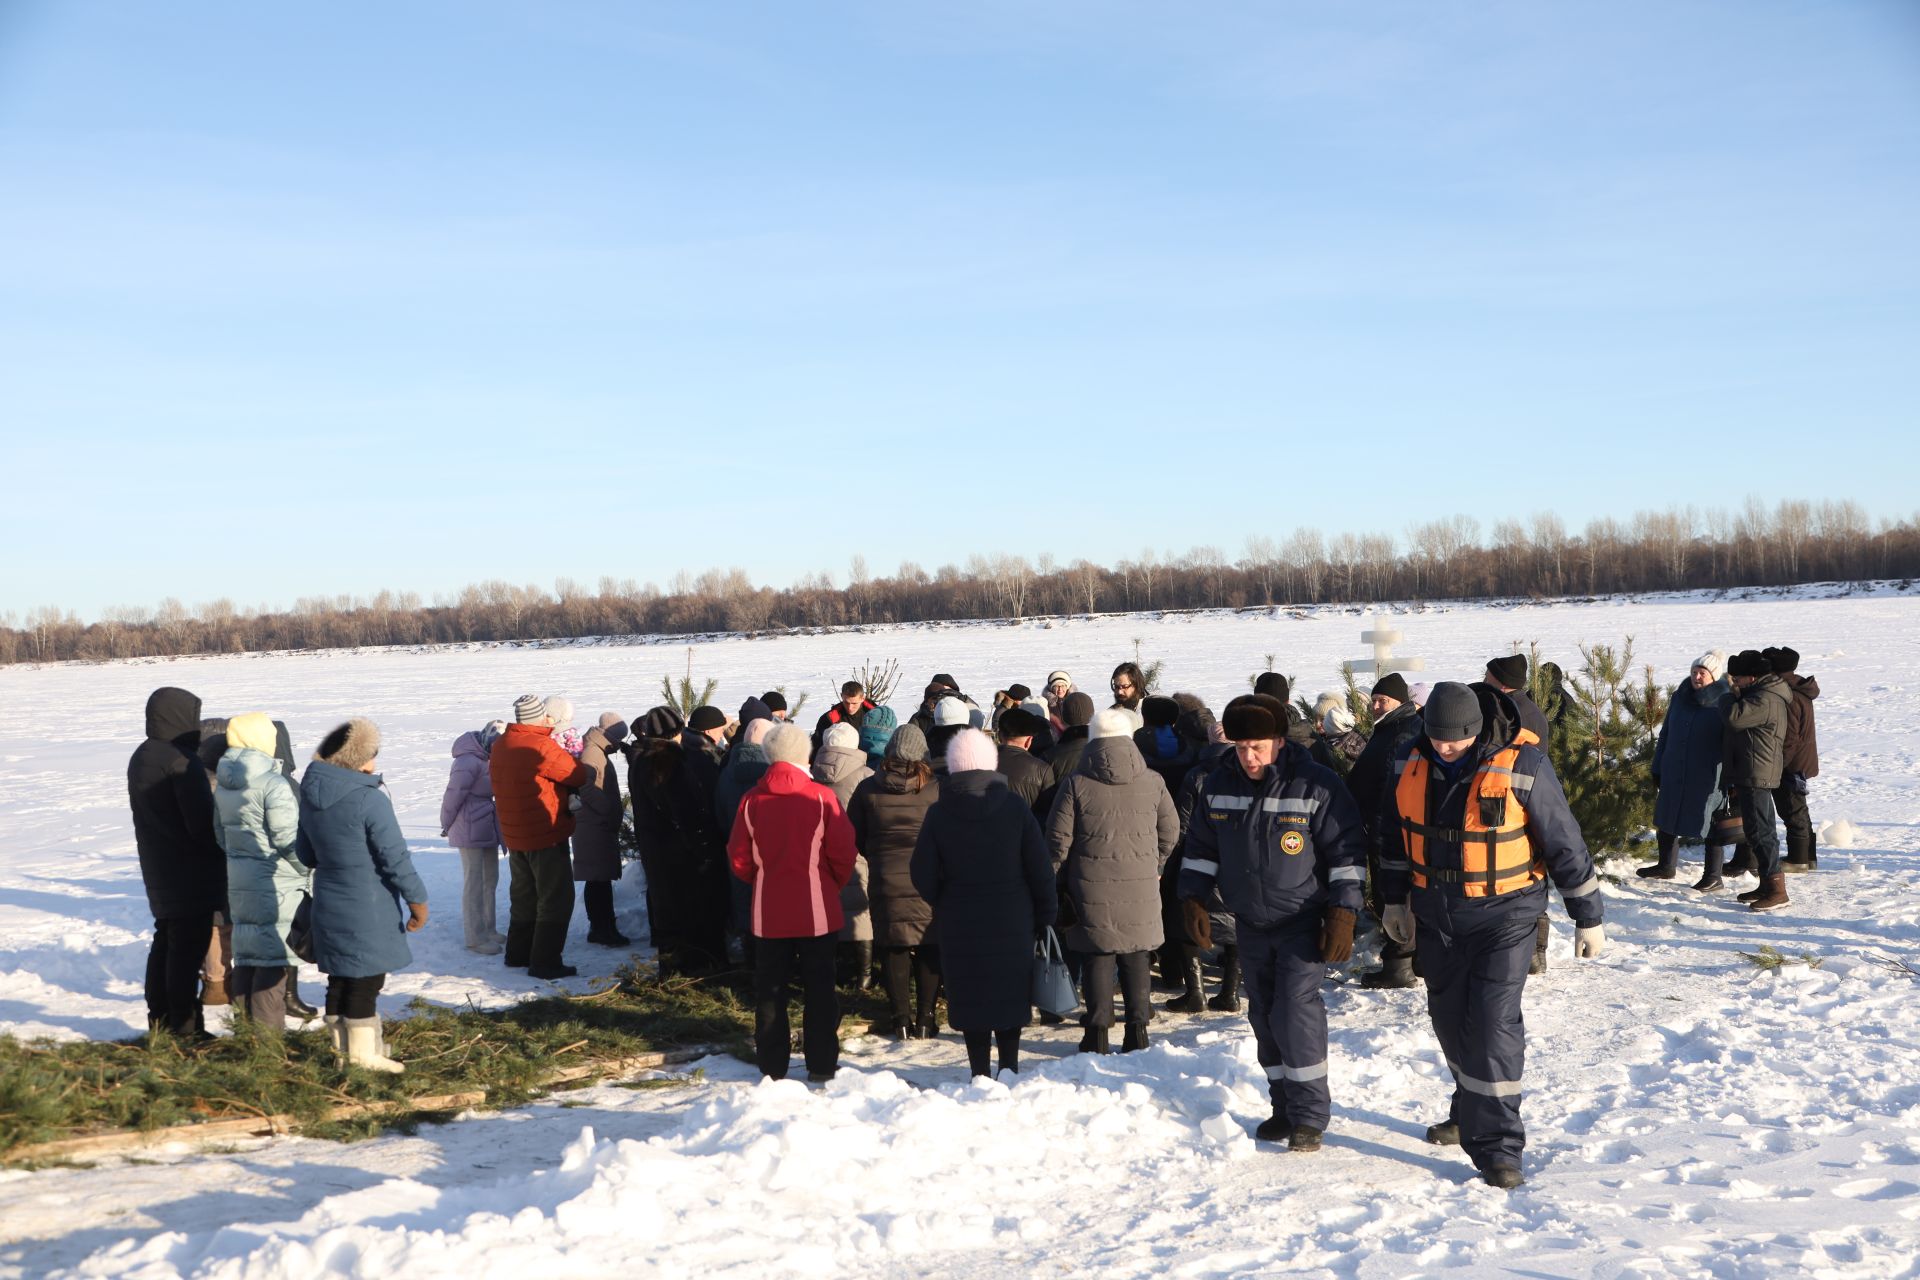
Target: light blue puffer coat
x=257 y=820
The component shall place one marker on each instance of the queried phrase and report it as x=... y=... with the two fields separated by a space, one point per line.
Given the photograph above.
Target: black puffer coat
x=1112 y=829
x=887 y=812
x=1027 y=775
x=982 y=864
x=181 y=861
x=1371 y=772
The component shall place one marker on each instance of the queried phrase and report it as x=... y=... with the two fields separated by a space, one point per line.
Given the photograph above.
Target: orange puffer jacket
x=529 y=770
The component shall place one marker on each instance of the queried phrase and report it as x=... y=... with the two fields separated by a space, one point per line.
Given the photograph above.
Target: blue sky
x=302 y=300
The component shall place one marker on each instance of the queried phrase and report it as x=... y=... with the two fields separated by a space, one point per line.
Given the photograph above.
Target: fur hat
x=1453 y=712
x=841 y=735
x=1196 y=725
x=1392 y=685
x=1325 y=703
x=561 y=709
x=1249 y=717
x=352 y=745
x=950 y=711
x=775 y=700
x=1713 y=662
x=1336 y=721
x=788 y=744
x=1158 y=712
x=662 y=722
x=1019 y=692
x=529 y=708
x=754 y=709
x=1274 y=685
x=1076 y=709
x=1749 y=662
x=907 y=745
x=1783 y=661
x=253 y=731
x=971 y=749
x=1114 y=722
x=706 y=719
x=1018 y=722
x=1510 y=672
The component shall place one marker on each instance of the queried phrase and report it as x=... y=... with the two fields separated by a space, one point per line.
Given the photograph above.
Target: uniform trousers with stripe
x=1474 y=956
x=1284 y=974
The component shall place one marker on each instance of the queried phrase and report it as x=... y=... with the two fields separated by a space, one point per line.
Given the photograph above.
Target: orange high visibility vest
x=1496 y=856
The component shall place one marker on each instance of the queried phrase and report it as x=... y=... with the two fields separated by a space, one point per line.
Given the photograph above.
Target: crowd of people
x=933 y=854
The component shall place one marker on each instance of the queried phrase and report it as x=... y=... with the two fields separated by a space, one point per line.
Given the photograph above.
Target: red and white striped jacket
x=793 y=844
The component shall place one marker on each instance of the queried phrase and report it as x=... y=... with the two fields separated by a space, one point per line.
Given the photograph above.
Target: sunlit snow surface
x=1689 y=1114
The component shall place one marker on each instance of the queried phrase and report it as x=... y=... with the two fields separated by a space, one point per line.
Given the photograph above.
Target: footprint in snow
x=1875 y=1189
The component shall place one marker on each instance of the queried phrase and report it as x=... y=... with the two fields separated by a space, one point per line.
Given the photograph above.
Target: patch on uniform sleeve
x=1292 y=842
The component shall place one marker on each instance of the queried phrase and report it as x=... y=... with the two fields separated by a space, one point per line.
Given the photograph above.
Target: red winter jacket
x=793 y=844
x=528 y=769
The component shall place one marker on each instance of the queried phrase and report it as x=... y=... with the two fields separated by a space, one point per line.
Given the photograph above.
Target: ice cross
x=1383 y=661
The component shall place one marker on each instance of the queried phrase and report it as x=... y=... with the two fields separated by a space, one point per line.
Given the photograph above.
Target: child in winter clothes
x=467 y=821
x=257 y=820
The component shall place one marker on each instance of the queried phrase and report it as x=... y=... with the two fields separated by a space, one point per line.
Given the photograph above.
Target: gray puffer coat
x=1687 y=758
x=596 y=823
x=1757 y=733
x=841 y=770
x=257 y=820
x=1113 y=827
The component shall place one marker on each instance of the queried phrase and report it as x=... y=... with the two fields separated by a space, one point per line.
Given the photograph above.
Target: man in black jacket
x=1027 y=775
x=181 y=862
x=1396 y=722
x=1508 y=675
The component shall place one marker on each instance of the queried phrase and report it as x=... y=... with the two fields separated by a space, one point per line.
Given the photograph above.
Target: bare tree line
x=1453 y=558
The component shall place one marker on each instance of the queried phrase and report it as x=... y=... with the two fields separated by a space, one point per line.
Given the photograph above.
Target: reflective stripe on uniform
x=1347 y=873
x=1523 y=781
x=1290 y=806
x=1395 y=864
x=1486 y=1088
x=1230 y=802
x=1204 y=866
x=1317 y=1071
x=1591 y=886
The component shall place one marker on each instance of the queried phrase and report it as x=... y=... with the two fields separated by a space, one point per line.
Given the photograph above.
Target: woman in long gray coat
x=887 y=812
x=596 y=831
x=840 y=765
x=257 y=819
x=1112 y=828
x=1687 y=759
x=982 y=864
x=362 y=872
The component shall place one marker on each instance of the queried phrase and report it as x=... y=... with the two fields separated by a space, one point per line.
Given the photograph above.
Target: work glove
x=1336 y=935
x=416 y=916
x=1199 y=923
x=1589 y=941
x=1397 y=920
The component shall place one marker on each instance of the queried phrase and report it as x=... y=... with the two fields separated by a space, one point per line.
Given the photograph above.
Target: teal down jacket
x=257 y=820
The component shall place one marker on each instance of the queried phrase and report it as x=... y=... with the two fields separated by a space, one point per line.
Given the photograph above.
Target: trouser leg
x=1284 y=976
x=1443 y=966
x=926 y=983
x=979 y=1051
x=523 y=899
x=479 y=872
x=553 y=905
x=896 y=979
x=157 y=1005
x=1792 y=808
x=1136 y=986
x=187 y=942
x=355 y=997
x=820 y=1005
x=219 y=953
x=773 y=965
x=1009 y=1043
x=1757 y=816
x=1098 y=972
x=1486 y=977
x=263 y=994
x=596 y=898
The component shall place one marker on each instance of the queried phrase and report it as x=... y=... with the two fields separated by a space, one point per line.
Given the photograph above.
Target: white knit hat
x=1714 y=661
x=1114 y=722
x=842 y=735
x=950 y=711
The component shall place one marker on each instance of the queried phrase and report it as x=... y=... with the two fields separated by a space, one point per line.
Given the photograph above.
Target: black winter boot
x=1095 y=1041
x=1195 y=998
x=1799 y=854
x=1275 y=1127
x=863 y=961
x=1444 y=1134
x=1503 y=1176
x=1742 y=864
x=1303 y=1140
x=1227 y=999
x=296 y=1007
x=1710 y=874
x=1668 y=863
x=1135 y=1039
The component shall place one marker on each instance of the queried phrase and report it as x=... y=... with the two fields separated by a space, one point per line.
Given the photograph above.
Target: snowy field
x=1690 y=1114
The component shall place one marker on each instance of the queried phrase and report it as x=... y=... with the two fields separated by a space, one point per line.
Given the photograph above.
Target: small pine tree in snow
x=684 y=697
x=1359 y=701
x=1602 y=748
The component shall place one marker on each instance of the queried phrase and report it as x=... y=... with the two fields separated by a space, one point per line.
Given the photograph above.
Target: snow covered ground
x=1690 y=1114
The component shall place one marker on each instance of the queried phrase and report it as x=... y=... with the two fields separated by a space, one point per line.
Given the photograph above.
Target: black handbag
x=300 y=932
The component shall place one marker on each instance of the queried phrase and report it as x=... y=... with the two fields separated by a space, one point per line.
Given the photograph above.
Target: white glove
x=1397 y=920
x=1589 y=941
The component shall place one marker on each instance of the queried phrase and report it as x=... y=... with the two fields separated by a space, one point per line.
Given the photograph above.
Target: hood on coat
x=327 y=784
x=240 y=766
x=252 y=729
x=468 y=744
x=1114 y=761
x=972 y=795
x=747 y=753
x=173 y=715
x=1708 y=696
x=784 y=778
x=838 y=764
x=1806 y=686
x=283 y=748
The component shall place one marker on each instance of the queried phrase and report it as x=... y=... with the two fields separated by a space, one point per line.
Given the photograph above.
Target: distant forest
x=1444 y=560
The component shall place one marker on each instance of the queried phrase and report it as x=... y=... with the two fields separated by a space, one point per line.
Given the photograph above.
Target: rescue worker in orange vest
x=1473 y=827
